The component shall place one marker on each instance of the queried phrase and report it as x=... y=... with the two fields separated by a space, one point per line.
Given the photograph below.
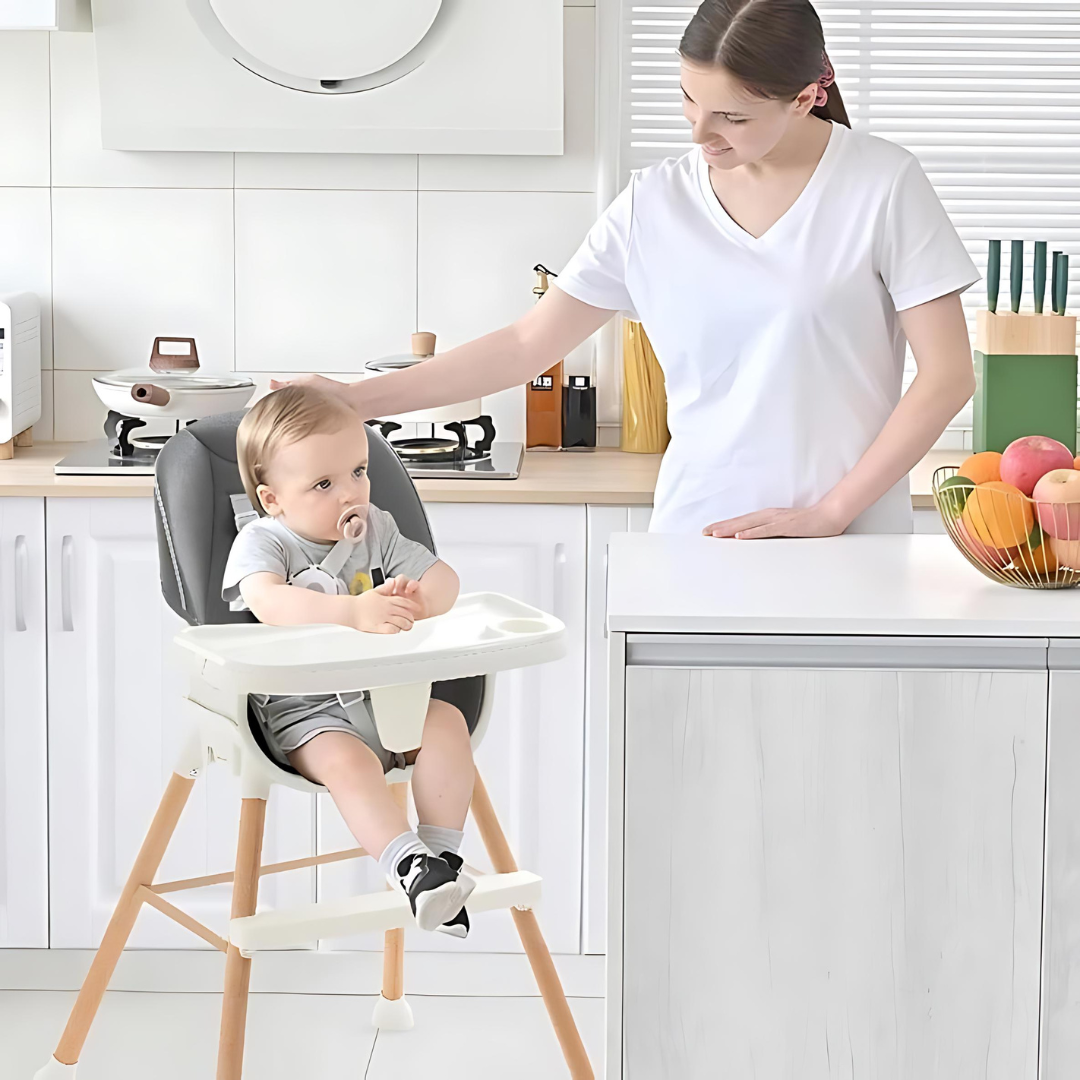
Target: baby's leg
x=353 y=774
x=442 y=780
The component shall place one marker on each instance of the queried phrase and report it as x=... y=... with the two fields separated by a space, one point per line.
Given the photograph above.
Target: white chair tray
x=483 y=633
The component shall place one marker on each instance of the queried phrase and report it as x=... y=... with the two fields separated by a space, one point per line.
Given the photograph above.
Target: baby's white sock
x=408 y=843
x=439 y=839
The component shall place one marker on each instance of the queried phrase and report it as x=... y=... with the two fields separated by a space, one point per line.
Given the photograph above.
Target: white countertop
x=907 y=585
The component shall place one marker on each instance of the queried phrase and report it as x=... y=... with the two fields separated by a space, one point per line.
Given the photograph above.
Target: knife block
x=1025 y=378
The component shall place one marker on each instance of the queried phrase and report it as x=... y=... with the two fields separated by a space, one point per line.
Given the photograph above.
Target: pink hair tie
x=828 y=77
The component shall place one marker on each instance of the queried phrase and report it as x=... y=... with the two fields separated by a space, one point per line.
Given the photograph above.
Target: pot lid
x=174 y=382
x=394 y=363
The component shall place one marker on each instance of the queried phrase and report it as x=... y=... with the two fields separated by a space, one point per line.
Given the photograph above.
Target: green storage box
x=1023 y=395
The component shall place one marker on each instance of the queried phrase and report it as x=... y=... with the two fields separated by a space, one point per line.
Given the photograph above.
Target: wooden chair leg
x=238 y=968
x=393 y=984
x=123 y=918
x=547 y=978
x=24 y=438
x=7 y=450
x=392 y=1011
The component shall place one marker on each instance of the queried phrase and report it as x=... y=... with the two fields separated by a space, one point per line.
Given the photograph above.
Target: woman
x=778 y=269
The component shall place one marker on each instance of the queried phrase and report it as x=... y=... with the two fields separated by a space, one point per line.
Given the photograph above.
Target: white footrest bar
x=292 y=927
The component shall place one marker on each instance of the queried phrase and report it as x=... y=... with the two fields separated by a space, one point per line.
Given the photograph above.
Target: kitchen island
x=844 y=820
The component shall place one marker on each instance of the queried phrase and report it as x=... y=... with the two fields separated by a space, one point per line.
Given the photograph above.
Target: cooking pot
x=173 y=387
x=423 y=348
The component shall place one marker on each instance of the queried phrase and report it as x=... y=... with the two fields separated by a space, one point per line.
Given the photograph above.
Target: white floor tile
x=174 y=1036
x=314 y=1036
x=484 y=1039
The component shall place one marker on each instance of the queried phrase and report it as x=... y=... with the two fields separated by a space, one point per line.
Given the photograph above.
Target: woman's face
x=732 y=125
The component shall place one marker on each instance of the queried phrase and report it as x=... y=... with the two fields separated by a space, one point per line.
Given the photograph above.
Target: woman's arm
x=508 y=357
x=944 y=382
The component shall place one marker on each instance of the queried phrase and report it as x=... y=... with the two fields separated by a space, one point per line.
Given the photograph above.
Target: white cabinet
x=24 y=912
x=1061 y=927
x=833 y=859
x=532 y=755
x=114 y=729
x=603 y=523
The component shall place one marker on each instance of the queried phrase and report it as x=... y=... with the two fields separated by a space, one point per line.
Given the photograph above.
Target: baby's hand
x=382 y=611
x=405 y=586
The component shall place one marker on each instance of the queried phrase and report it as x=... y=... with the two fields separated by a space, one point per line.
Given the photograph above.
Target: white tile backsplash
x=77 y=411
x=132 y=264
x=325 y=280
x=372 y=172
x=575 y=170
x=275 y=263
x=24 y=108
x=43 y=429
x=77 y=156
x=477 y=253
x=24 y=252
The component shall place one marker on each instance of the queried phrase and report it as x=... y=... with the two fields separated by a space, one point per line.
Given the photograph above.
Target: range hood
x=337 y=76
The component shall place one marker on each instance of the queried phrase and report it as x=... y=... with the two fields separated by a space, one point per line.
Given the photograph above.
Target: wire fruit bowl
x=1009 y=537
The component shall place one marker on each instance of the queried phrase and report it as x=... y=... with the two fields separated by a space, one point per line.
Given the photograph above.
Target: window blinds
x=986 y=93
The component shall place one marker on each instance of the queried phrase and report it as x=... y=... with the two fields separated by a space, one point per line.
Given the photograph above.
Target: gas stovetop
x=501 y=462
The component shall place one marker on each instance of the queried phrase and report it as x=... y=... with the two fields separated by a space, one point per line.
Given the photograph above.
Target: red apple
x=1067 y=552
x=1027 y=460
x=1058 y=497
x=993 y=557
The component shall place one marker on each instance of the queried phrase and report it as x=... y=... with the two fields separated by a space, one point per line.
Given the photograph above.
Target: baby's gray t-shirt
x=266 y=545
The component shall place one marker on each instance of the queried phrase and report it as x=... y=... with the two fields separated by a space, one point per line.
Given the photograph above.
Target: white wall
x=273 y=262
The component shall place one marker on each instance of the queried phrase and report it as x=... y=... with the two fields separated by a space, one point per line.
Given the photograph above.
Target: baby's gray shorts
x=289 y=722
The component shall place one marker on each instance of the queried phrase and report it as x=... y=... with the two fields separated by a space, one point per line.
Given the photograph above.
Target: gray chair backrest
x=196 y=473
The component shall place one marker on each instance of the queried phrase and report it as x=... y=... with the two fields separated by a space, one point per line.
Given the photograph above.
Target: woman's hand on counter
x=819 y=520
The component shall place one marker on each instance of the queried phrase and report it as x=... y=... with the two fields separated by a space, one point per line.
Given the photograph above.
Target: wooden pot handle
x=170 y=362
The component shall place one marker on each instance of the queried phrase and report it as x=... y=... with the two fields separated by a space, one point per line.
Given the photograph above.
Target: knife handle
x=1016 y=274
x=993 y=274
x=1040 y=275
x=1063 y=282
x=1055 y=272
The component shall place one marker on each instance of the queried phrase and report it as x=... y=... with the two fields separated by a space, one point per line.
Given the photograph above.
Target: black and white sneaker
x=458 y=926
x=435 y=891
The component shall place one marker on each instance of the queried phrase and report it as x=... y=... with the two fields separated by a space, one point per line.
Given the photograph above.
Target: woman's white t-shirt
x=782 y=355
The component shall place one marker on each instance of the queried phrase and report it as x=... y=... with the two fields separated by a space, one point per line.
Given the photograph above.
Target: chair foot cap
x=56 y=1070
x=389 y=1015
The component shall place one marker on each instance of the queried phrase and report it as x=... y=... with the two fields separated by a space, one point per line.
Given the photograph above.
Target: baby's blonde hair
x=282 y=417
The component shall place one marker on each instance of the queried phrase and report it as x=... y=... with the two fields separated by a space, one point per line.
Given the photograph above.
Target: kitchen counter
x=605 y=477
x=910 y=585
x=842 y=819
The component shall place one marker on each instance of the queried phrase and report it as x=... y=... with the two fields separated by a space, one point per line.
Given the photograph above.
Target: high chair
x=226 y=656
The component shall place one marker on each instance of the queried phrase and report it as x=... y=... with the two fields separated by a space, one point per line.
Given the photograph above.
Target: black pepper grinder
x=579 y=414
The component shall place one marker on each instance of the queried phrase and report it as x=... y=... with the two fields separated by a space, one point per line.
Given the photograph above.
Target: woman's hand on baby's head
x=382 y=611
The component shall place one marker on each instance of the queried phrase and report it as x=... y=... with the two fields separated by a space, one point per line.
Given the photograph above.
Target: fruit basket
x=1011 y=538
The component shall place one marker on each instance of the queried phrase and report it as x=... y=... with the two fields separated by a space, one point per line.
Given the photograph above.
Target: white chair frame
x=219 y=734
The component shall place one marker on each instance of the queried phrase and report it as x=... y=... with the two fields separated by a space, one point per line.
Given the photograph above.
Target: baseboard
x=301 y=972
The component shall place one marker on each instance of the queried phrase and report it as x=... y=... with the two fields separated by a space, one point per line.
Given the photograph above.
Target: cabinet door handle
x=606 y=550
x=20 y=584
x=557 y=591
x=67 y=554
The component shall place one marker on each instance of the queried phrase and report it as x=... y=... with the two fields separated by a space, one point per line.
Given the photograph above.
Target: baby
x=303 y=458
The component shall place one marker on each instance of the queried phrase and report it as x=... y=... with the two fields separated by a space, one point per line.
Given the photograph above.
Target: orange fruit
x=982 y=468
x=998 y=514
x=1041 y=560
x=1076 y=462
